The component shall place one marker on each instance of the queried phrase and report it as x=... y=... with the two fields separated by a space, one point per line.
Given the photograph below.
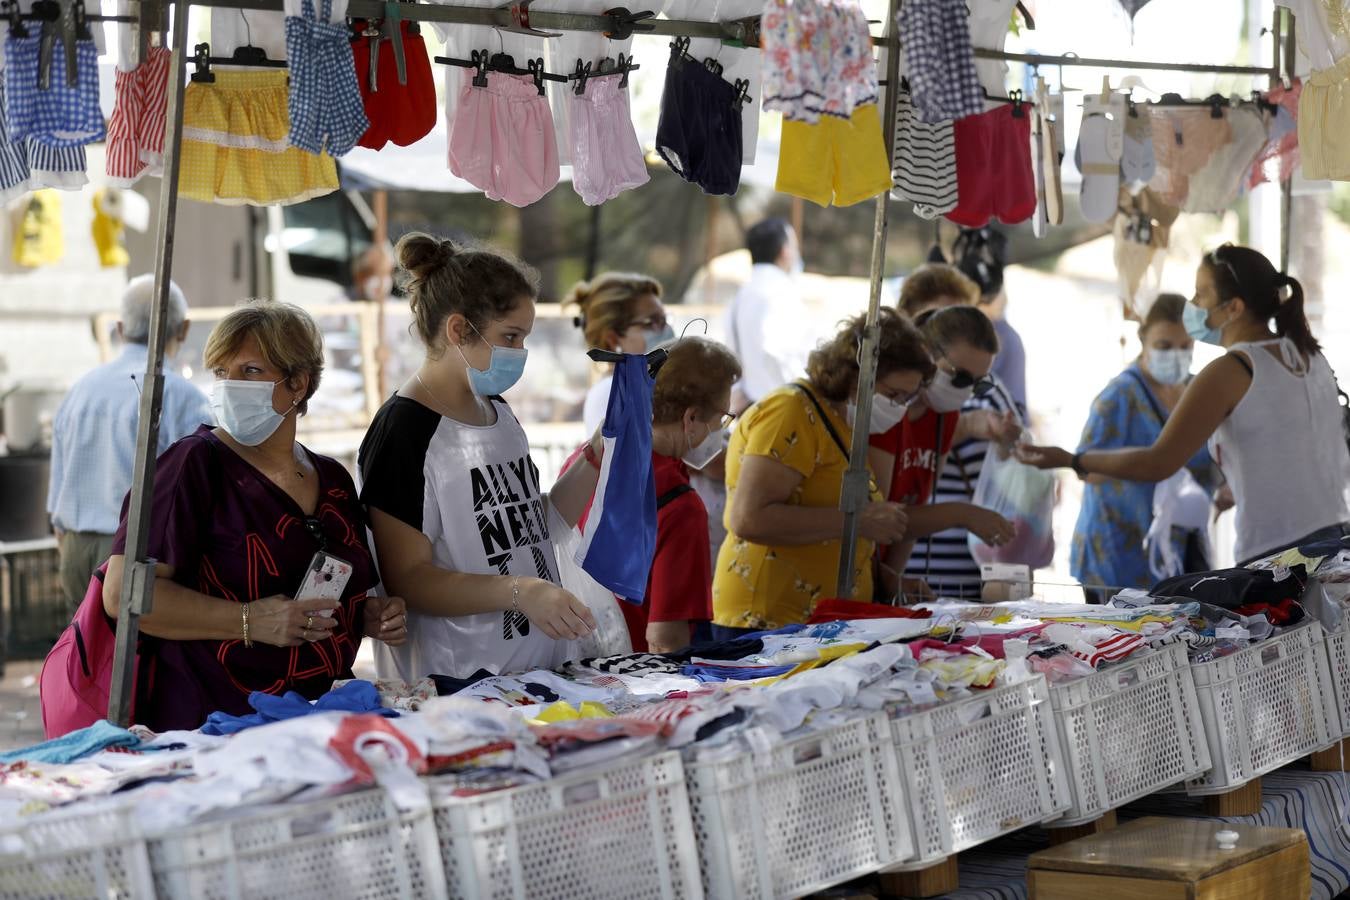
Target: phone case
x=326 y=579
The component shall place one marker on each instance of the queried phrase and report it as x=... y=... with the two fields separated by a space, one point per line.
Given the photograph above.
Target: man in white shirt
x=94 y=435
x=766 y=325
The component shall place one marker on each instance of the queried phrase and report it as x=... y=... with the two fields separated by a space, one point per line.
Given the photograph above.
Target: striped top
x=944 y=559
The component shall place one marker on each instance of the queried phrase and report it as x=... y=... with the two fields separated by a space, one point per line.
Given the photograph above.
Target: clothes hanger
x=605 y=68
x=655 y=359
x=484 y=61
x=1019 y=102
x=252 y=57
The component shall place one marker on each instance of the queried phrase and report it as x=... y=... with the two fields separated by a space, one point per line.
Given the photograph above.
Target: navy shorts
x=699 y=133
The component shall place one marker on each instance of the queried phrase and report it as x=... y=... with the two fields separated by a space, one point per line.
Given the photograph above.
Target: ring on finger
x=309 y=622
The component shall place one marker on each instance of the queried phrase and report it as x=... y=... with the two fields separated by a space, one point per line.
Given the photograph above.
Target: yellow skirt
x=235 y=146
x=1323 y=122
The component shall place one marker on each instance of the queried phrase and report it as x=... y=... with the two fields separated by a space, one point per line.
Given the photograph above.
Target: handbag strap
x=1152 y=401
x=839 y=442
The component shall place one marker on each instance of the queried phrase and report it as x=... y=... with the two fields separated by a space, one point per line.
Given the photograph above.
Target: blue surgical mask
x=655 y=339
x=1197 y=325
x=505 y=367
x=1169 y=366
x=244 y=409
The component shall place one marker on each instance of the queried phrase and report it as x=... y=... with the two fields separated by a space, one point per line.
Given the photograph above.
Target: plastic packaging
x=1023 y=495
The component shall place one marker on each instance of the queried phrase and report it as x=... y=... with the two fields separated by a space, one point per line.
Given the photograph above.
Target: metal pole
x=1037 y=59
x=1287 y=186
x=138 y=578
x=858 y=480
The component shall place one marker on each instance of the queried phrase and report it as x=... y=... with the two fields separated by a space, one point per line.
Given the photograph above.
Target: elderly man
x=94 y=435
x=768 y=327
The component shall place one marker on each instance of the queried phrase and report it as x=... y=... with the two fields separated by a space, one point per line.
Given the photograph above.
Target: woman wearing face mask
x=908 y=456
x=460 y=524
x=1116 y=516
x=622 y=313
x=785 y=470
x=237 y=515
x=1267 y=408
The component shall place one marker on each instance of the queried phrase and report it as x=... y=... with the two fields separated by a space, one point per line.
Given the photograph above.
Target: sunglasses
x=978 y=384
x=315 y=529
x=1216 y=260
x=657 y=322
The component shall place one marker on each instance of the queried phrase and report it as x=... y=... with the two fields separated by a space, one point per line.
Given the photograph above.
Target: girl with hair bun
x=456 y=509
x=1268 y=409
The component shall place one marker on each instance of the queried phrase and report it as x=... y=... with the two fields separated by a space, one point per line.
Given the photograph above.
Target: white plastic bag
x=610 y=637
x=1025 y=496
x=1178 y=502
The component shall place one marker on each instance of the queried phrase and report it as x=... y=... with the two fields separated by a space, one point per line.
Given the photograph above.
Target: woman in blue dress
x=1108 y=543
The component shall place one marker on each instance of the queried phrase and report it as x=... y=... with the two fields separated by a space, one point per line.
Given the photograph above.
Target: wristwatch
x=1078 y=465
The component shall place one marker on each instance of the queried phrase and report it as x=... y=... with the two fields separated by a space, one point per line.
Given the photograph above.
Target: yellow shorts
x=1323 y=122
x=837 y=161
x=235 y=145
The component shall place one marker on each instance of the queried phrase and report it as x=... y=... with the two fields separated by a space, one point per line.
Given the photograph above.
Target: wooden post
x=380 y=206
x=1074 y=832
x=1332 y=759
x=1241 y=801
x=934 y=881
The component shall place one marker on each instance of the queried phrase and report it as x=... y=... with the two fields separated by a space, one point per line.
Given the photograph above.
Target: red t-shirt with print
x=918 y=446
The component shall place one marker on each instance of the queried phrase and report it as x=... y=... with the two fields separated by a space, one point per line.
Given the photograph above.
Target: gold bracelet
x=247 y=643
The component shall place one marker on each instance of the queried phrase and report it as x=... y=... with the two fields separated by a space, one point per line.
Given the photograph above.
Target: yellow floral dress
x=766 y=587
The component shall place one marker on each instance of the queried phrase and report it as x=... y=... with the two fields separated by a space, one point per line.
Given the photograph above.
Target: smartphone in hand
x=325 y=579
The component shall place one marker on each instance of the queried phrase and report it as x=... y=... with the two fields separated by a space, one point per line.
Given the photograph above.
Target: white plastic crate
x=612 y=834
x=801 y=816
x=1265 y=707
x=1338 y=660
x=351 y=846
x=75 y=853
x=1128 y=732
x=979 y=768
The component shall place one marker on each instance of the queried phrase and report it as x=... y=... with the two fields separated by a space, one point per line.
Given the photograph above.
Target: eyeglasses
x=725 y=421
x=315 y=529
x=907 y=398
x=1216 y=260
x=657 y=322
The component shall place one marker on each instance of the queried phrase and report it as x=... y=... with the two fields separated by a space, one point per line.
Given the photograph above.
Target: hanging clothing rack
x=137 y=593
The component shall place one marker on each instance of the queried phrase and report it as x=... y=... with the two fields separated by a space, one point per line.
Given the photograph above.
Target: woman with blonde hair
x=620 y=312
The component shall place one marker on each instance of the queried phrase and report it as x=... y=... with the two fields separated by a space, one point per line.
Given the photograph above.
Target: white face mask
x=699 y=455
x=886 y=414
x=244 y=409
x=945 y=397
x=1169 y=366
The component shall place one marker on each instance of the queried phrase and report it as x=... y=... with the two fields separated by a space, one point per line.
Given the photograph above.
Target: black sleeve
x=392 y=460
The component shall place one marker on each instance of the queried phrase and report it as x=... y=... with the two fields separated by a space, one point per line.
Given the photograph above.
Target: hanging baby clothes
x=39 y=239
x=235 y=147
x=1216 y=186
x=62 y=168
x=503 y=142
x=326 y=111
x=817 y=59
x=1183 y=142
x=1323 y=121
x=619 y=542
x=835 y=161
x=401 y=111
x=1323 y=28
x=993 y=167
x=62 y=114
x=699 y=131
x=924 y=161
x=1142 y=229
x=136 y=130
x=107 y=230
x=13 y=157
x=606 y=156
x=935 y=38
x=1280 y=157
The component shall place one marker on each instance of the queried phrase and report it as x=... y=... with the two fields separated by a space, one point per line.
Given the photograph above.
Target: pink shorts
x=606 y=157
x=136 y=129
x=503 y=141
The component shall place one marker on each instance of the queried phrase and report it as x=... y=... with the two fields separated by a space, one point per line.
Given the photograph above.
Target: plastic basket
x=1128 y=732
x=75 y=853
x=801 y=816
x=352 y=846
x=1338 y=664
x=1265 y=707
x=619 y=833
x=979 y=768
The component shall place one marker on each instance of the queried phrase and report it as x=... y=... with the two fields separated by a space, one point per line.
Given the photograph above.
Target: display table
x=1293 y=798
x=1170 y=858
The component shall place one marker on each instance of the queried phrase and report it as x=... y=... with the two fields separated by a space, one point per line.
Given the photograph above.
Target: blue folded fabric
x=354 y=696
x=733 y=673
x=76 y=745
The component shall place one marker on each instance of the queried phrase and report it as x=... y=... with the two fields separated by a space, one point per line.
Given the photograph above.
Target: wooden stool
x=1059 y=836
x=1333 y=758
x=1174 y=859
x=938 y=879
x=1240 y=801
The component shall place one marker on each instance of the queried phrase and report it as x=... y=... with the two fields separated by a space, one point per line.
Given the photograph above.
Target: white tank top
x=1283 y=451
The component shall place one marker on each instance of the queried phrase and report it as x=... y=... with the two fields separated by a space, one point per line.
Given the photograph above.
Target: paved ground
x=20 y=716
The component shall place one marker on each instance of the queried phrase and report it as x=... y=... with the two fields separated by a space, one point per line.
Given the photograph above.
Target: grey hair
x=136 y=301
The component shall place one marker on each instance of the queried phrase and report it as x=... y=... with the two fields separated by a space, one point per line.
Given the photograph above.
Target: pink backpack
x=76 y=678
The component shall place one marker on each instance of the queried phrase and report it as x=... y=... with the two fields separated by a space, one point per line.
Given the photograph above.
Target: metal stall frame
x=137 y=590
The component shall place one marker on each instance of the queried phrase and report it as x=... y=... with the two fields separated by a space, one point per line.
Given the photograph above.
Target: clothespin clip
x=627 y=23
x=388 y=30
x=480 y=63
x=58 y=23
x=201 y=58
x=627 y=65
x=713 y=66
x=1106 y=90
x=536 y=70
x=679 y=51
x=520 y=20
x=579 y=75
x=15 y=16
x=745 y=32
x=1216 y=104
x=1018 y=105
x=742 y=86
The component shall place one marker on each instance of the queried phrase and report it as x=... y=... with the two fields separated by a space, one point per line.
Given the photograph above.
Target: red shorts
x=993 y=168
x=399 y=113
